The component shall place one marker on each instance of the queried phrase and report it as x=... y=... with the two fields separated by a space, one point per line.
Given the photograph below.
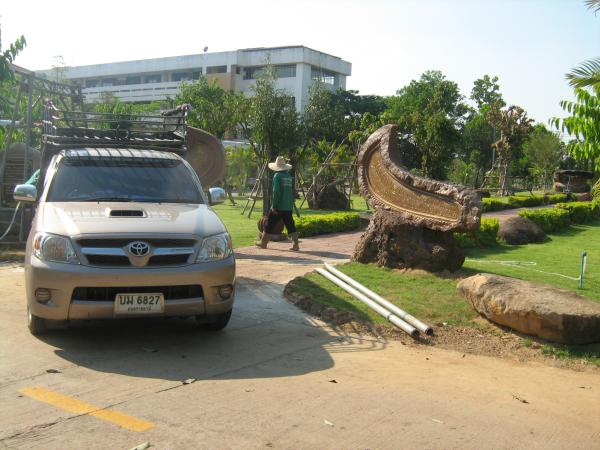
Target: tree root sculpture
x=414 y=217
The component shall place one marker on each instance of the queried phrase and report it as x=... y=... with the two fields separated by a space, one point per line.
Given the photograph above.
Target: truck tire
x=219 y=323
x=36 y=324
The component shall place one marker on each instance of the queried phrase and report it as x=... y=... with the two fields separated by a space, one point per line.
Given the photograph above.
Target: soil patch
x=484 y=338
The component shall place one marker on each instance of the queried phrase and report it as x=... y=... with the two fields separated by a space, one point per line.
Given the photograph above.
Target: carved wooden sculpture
x=414 y=217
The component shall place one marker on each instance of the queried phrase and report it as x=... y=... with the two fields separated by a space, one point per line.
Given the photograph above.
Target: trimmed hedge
x=549 y=220
x=493 y=204
x=484 y=236
x=581 y=212
x=520 y=201
x=312 y=225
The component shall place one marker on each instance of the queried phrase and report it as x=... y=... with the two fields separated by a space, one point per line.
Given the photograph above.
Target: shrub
x=549 y=220
x=493 y=204
x=484 y=236
x=327 y=223
x=581 y=212
x=556 y=198
x=521 y=201
x=596 y=191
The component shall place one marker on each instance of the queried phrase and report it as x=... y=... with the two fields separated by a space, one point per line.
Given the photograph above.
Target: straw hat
x=279 y=165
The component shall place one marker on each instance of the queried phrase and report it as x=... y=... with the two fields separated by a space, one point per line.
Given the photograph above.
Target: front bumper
x=62 y=279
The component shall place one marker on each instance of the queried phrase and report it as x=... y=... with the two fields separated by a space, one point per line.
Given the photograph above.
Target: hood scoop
x=126 y=213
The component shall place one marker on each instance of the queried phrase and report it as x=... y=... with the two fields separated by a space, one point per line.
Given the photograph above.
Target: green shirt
x=34 y=178
x=283 y=193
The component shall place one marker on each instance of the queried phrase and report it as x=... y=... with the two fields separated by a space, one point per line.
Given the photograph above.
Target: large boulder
x=519 y=230
x=551 y=313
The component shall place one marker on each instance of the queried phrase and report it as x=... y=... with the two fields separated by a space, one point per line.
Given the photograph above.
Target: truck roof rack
x=63 y=130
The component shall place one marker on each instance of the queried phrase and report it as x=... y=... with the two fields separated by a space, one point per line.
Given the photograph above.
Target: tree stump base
x=392 y=242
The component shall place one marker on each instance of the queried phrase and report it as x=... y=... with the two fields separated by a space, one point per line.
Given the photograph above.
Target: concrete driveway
x=275 y=378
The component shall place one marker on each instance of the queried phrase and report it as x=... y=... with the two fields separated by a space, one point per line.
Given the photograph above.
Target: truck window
x=147 y=180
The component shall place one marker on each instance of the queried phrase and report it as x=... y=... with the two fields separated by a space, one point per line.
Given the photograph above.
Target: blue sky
x=529 y=44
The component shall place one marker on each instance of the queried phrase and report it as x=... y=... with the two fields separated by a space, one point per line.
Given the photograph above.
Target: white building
x=157 y=79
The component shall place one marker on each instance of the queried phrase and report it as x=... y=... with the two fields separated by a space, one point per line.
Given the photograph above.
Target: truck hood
x=78 y=218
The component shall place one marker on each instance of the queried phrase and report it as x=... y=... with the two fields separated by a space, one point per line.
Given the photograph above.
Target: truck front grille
x=115 y=252
x=122 y=242
x=108 y=294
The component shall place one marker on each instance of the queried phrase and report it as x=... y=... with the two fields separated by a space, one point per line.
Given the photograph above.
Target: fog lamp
x=43 y=295
x=225 y=291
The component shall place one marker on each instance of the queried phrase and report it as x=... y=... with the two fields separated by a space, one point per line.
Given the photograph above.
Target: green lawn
x=244 y=231
x=546 y=262
x=427 y=296
x=433 y=298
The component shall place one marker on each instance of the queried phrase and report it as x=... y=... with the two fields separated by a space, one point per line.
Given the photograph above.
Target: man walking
x=283 y=203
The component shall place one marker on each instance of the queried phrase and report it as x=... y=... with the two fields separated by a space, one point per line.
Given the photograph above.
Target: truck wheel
x=36 y=324
x=219 y=323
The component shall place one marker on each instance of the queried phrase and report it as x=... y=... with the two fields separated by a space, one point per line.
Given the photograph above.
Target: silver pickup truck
x=121 y=233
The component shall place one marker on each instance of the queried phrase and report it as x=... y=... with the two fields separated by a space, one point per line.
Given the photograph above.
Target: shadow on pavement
x=267 y=337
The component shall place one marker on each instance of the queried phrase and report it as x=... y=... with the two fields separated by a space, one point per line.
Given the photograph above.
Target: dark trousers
x=286 y=216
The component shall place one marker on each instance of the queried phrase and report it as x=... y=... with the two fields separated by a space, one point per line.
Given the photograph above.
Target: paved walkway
x=278 y=264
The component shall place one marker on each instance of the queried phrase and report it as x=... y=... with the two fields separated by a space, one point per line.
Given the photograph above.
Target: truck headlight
x=215 y=248
x=51 y=247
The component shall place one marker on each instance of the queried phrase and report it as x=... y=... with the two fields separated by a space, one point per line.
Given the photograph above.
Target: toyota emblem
x=139 y=248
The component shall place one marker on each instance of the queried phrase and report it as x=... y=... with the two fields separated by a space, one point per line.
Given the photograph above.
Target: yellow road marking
x=78 y=407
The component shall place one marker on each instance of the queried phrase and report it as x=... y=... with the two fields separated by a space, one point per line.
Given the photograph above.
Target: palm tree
x=588 y=73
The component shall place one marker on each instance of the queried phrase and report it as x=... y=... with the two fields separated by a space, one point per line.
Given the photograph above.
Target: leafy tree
x=583 y=124
x=429 y=112
x=478 y=138
x=212 y=106
x=587 y=74
x=8 y=56
x=545 y=152
x=514 y=127
x=240 y=164
x=355 y=106
x=461 y=172
x=486 y=91
x=325 y=115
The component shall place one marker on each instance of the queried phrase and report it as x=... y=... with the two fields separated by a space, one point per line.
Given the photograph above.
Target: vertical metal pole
x=9 y=133
x=583 y=260
x=26 y=173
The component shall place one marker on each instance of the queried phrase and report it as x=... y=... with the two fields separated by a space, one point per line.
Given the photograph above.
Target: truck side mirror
x=216 y=196
x=25 y=193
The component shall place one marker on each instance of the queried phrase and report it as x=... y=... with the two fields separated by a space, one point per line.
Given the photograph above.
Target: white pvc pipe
x=423 y=327
x=371 y=304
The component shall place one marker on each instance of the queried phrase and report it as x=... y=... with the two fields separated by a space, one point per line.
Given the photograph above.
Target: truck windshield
x=155 y=181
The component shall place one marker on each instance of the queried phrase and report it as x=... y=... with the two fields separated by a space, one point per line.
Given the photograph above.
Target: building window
x=91 y=83
x=284 y=71
x=322 y=75
x=288 y=71
x=252 y=73
x=181 y=76
x=153 y=78
x=216 y=69
x=133 y=80
x=110 y=82
x=196 y=74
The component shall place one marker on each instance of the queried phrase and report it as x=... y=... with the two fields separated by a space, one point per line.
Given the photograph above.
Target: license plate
x=144 y=303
